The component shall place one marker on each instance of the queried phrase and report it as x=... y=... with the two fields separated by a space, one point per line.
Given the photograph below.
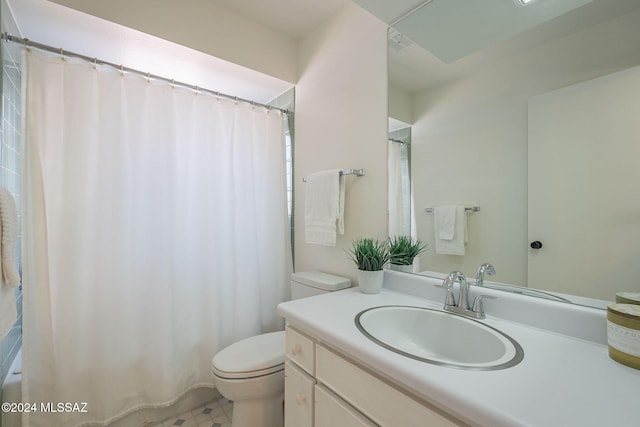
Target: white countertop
x=562 y=381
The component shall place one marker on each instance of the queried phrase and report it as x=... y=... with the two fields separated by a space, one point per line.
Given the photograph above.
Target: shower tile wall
x=10 y=175
x=286 y=101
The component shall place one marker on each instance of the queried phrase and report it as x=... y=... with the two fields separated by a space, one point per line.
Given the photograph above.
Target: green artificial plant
x=403 y=249
x=369 y=254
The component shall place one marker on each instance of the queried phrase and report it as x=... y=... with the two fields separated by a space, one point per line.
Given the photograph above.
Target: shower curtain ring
x=121 y=70
x=61 y=53
x=148 y=77
x=95 y=63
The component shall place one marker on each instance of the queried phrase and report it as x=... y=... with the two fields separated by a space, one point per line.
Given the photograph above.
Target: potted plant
x=402 y=251
x=370 y=255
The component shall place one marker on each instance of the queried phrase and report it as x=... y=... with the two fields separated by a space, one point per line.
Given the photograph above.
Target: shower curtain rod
x=28 y=43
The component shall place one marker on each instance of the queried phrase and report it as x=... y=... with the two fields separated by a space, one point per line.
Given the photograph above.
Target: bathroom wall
x=400 y=105
x=10 y=166
x=341 y=122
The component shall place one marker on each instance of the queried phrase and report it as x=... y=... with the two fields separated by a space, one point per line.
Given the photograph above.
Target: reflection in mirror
x=400 y=209
x=502 y=124
x=400 y=204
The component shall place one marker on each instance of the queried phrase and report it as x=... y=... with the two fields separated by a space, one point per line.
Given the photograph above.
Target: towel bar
x=471 y=209
x=356 y=172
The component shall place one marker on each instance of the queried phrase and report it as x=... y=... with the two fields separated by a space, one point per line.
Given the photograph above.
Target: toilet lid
x=251 y=357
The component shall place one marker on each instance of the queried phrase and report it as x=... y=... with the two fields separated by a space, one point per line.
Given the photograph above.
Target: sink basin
x=438 y=337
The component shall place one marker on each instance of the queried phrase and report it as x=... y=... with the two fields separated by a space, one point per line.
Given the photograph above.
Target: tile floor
x=216 y=413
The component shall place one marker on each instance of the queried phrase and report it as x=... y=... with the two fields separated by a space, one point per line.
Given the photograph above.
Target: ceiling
x=293 y=18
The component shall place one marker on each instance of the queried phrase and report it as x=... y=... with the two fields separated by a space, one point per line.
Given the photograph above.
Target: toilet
x=250 y=372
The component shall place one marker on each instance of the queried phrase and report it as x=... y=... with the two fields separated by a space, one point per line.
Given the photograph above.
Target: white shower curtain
x=154 y=233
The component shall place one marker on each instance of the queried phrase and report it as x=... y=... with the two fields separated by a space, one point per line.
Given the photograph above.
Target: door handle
x=536 y=244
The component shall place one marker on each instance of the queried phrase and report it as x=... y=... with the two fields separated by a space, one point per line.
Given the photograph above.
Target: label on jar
x=623 y=339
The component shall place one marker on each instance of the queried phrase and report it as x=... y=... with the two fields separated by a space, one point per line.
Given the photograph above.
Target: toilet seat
x=251 y=357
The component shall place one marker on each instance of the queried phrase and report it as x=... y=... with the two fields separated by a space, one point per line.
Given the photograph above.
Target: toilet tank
x=309 y=283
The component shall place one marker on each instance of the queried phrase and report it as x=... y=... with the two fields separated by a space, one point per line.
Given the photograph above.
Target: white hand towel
x=9 y=221
x=455 y=245
x=8 y=310
x=324 y=207
x=9 y=279
x=444 y=218
x=340 y=213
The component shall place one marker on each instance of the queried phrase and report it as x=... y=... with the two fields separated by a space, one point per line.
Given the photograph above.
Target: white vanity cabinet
x=331 y=411
x=298 y=397
x=325 y=389
x=299 y=368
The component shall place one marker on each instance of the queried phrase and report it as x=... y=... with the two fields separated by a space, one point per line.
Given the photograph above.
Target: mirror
x=480 y=105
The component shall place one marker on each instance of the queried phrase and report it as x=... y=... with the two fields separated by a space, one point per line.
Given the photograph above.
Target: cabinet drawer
x=379 y=401
x=298 y=397
x=300 y=350
x=331 y=411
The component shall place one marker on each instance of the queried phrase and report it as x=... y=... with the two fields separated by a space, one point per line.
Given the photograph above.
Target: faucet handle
x=450 y=300
x=478 y=307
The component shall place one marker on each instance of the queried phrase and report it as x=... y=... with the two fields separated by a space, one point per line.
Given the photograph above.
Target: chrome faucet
x=462 y=306
x=485 y=268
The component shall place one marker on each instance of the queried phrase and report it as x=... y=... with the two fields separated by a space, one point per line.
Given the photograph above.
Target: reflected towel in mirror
x=450 y=229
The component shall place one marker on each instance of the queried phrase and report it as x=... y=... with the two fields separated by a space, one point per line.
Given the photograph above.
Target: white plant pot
x=399 y=267
x=370 y=282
